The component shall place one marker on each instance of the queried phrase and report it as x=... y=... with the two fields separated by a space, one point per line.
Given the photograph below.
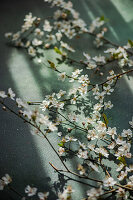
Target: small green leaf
x=130 y=42
x=122 y=159
x=52 y=65
x=115 y=55
x=102 y=18
x=100 y=157
x=58 y=51
x=105 y=84
x=105 y=119
x=61 y=144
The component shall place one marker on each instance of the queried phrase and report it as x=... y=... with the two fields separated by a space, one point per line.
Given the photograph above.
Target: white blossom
x=97 y=107
x=120 y=141
x=94 y=193
x=108 y=89
x=47 y=27
x=131 y=123
x=91 y=65
x=112 y=132
x=74 y=100
x=31 y=51
x=122 y=175
x=76 y=73
x=59 y=134
x=43 y=119
x=108 y=105
x=122 y=194
x=100 y=96
x=3 y=94
x=82 y=154
x=70 y=138
x=8 y=35
x=62 y=76
x=45 y=105
x=84 y=79
x=126 y=133
x=2 y=184
x=11 y=94
x=28 y=22
x=82 y=145
x=92 y=134
x=112 y=145
x=38 y=32
x=43 y=195
x=52 y=126
x=36 y=42
x=57 y=14
x=99 y=59
x=96 y=23
x=87 y=56
x=93 y=166
x=61 y=151
x=58 y=36
x=102 y=151
x=31 y=191
x=15 y=36
x=51 y=39
x=95 y=90
x=20 y=103
x=109 y=182
x=125 y=148
x=66 y=194
x=120 y=167
x=66 y=46
x=27 y=113
x=60 y=94
x=5 y=180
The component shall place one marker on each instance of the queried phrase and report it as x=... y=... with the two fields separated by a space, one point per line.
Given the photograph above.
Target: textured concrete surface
x=26 y=157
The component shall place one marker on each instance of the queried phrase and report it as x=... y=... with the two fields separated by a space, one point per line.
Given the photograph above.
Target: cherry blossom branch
x=67 y=170
x=84 y=64
x=105 y=193
x=59 y=171
x=32 y=45
x=15 y=191
x=12 y=189
x=73 y=173
x=108 y=192
x=35 y=126
x=100 y=84
x=109 y=42
x=116 y=76
x=88 y=178
x=78 y=127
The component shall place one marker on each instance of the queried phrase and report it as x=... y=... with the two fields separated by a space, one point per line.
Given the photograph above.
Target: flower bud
x=4 y=108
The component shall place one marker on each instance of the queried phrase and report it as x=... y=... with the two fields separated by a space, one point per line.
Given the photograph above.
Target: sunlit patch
x=125 y=9
x=88 y=11
x=27 y=89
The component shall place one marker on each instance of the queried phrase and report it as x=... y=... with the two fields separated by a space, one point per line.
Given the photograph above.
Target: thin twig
x=70 y=177
x=109 y=42
x=88 y=178
x=116 y=76
x=35 y=126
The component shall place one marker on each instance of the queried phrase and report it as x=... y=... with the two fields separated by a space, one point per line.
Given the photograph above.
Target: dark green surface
x=26 y=157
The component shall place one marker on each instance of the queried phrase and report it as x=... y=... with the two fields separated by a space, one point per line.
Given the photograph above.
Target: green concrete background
x=26 y=157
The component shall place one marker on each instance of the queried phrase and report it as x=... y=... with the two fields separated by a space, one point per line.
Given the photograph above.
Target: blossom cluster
x=101 y=142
